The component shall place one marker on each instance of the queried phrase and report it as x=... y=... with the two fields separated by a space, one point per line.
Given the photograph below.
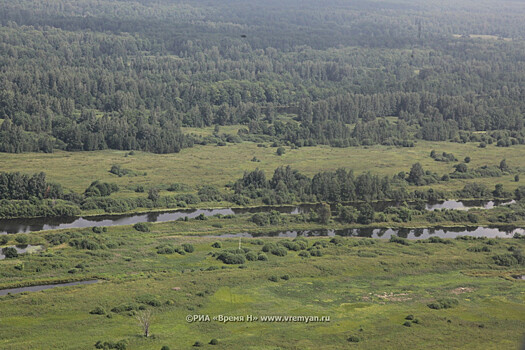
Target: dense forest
x=78 y=75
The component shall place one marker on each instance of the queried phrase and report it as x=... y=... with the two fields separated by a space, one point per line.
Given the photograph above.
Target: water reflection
x=39 y=224
x=386 y=233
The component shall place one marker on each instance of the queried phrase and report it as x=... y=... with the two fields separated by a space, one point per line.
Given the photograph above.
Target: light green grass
x=365 y=296
x=221 y=165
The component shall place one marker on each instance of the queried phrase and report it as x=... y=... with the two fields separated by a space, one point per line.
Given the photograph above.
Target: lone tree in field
x=416 y=174
x=324 y=213
x=153 y=194
x=503 y=165
x=144 y=318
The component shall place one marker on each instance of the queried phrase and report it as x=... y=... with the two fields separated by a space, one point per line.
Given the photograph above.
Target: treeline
x=288 y=185
x=22 y=186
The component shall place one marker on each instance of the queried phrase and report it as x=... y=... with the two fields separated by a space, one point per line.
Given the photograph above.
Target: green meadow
x=377 y=293
x=220 y=165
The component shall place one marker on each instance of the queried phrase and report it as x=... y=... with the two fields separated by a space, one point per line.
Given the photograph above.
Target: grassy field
x=367 y=290
x=218 y=166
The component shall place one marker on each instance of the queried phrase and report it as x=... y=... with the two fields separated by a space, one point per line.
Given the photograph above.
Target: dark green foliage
x=262 y=257
x=399 y=240
x=324 y=213
x=22 y=239
x=170 y=249
x=214 y=342
x=264 y=219
x=353 y=339
x=484 y=249
x=127 y=307
x=407 y=324
x=337 y=240
x=515 y=259
x=316 y=252
x=100 y=189
x=280 y=151
x=119 y=171
x=409 y=317
x=444 y=157
x=231 y=258
x=267 y=247
x=366 y=214
x=304 y=254
x=165 y=347
x=217 y=245
x=445 y=303
x=209 y=194
x=10 y=253
x=519 y=193
x=188 y=248
x=503 y=165
x=120 y=345
x=3 y=239
x=85 y=243
x=274 y=278
x=198 y=81
x=198 y=344
x=279 y=251
x=141 y=226
x=474 y=190
x=98 y=311
x=148 y=299
x=285 y=277
x=251 y=256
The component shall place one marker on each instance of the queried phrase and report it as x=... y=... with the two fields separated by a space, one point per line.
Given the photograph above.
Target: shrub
x=250 y=256
x=231 y=259
x=21 y=239
x=165 y=347
x=198 y=344
x=279 y=251
x=3 y=239
x=409 y=317
x=141 y=226
x=304 y=254
x=188 y=248
x=316 y=252
x=216 y=245
x=407 y=324
x=262 y=257
x=516 y=258
x=285 y=277
x=353 y=339
x=125 y=307
x=268 y=247
x=396 y=239
x=290 y=245
x=337 y=240
x=214 y=342
x=280 y=151
x=148 y=299
x=96 y=229
x=98 y=311
x=273 y=278
x=447 y=303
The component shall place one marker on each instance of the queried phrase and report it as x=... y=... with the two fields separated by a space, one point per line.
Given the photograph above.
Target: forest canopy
x=128 y=75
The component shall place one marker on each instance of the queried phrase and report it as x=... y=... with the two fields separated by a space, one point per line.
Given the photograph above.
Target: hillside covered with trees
x=127 y=75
